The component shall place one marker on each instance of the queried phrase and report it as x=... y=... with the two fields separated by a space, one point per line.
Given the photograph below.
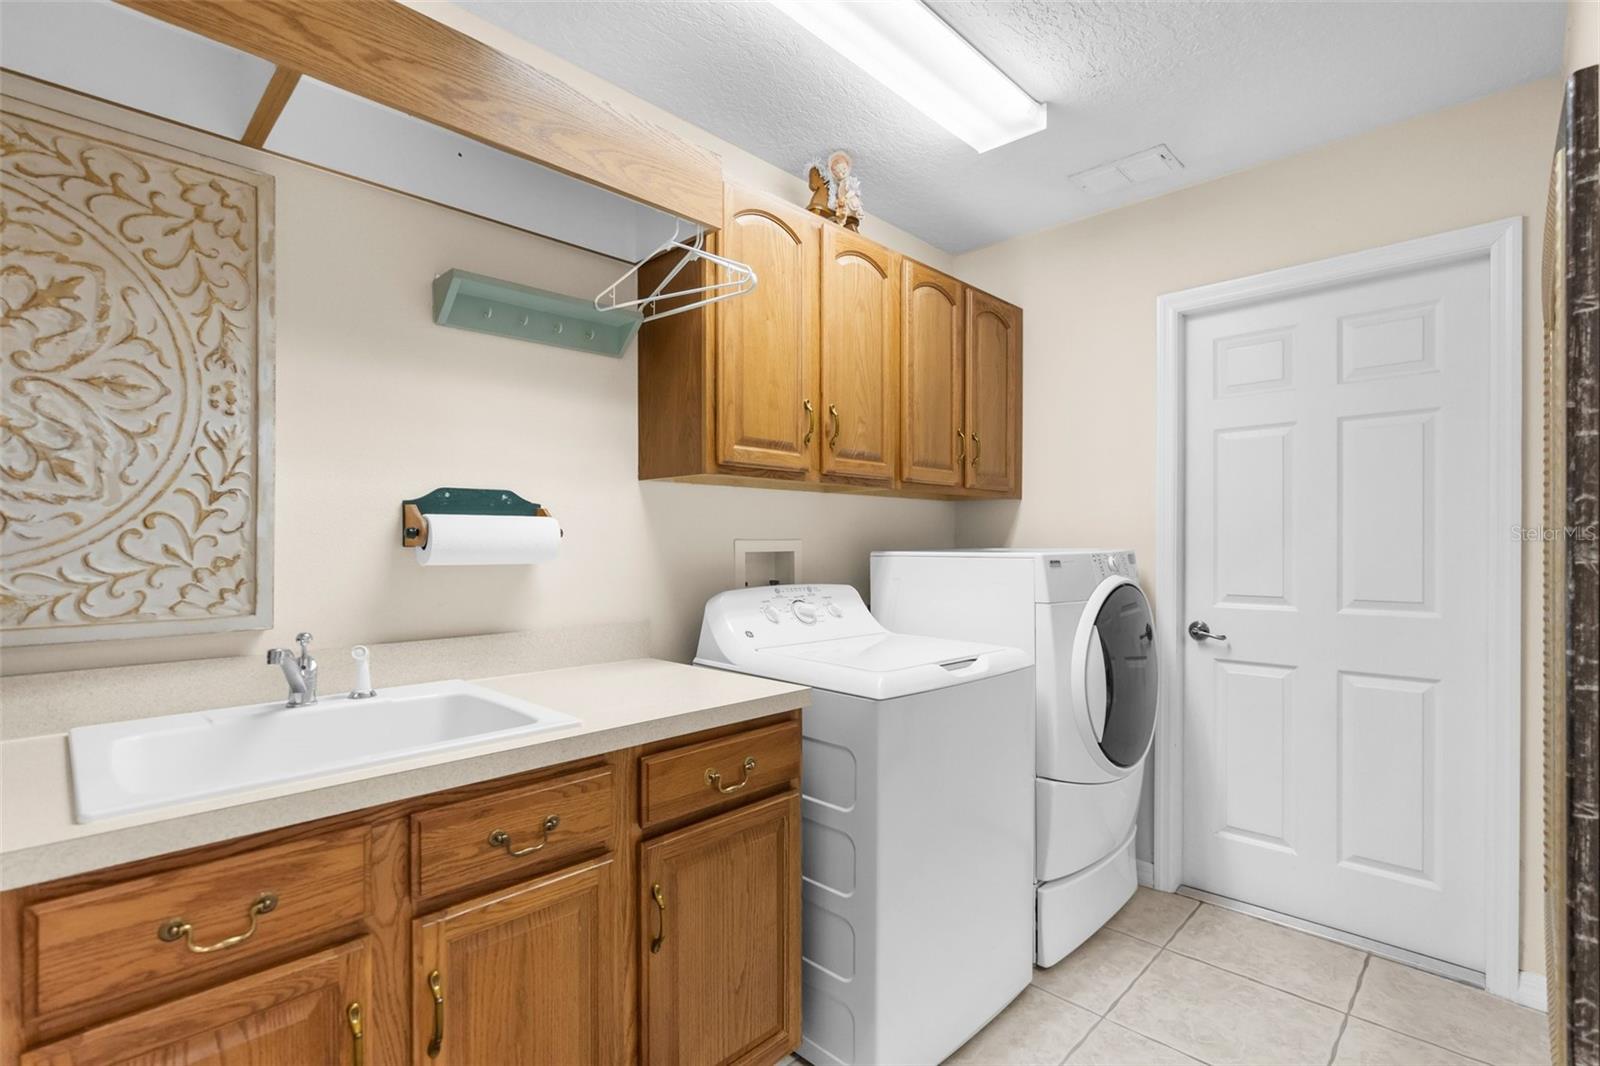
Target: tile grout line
x=1053 y=994
x=1418 y=1039
x=1142 y=971
x=1268 y=984
x=1146 y=969
x=1360 y=977
x=1256 y=981
x=1080 y=1042
x=1344 y=1021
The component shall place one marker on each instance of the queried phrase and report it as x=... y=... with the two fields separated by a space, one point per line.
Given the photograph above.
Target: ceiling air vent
x=1135 y=169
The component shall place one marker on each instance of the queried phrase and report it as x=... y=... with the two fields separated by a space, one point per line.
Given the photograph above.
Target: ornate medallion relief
x=135 y=410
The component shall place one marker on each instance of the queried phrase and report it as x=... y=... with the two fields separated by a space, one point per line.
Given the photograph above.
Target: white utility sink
x=123 y=767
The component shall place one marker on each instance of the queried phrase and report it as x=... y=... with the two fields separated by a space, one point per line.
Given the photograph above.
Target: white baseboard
x=1531 y=991
x=1147 y=877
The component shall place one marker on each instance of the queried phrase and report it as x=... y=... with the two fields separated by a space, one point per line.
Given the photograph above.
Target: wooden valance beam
x=273 y=100
x=398 y=57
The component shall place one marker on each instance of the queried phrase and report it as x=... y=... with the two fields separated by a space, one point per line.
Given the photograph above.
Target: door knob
x=1202 y=632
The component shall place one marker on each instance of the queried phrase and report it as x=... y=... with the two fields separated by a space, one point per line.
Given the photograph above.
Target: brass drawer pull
x=502 y=839
x=661 y=912
x=833 y=438
x=177 y=929
x=358 y=1051
x=811 y=423
x=977 y=450
x=961 y=446
x=436 y=986
x=714 y=779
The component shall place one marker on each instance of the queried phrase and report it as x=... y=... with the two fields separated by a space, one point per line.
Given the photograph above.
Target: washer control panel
x=779 y=614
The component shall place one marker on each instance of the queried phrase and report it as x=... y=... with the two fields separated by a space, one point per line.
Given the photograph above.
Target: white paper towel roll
x=489 y=540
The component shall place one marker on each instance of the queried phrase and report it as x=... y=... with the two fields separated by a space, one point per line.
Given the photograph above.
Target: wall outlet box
x=766 y=562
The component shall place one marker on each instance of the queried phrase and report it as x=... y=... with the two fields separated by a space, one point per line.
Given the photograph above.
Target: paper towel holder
x=414 y=513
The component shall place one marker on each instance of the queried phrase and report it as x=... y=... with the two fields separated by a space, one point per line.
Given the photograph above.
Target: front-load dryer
x=1088 y=626
x=917 y=819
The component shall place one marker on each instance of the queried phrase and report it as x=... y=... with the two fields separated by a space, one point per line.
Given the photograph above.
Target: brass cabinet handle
x=661 y=917
x=436 y=986
x=961 y=446
x=833 y=438
x=977 y=450
x=502 y=839
x=714 y=779
x=179 y=929
x=358 y=1051
x=811 y=423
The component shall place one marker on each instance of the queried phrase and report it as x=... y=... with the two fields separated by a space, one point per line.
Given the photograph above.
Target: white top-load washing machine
x=917 y=831
x=1086 y=623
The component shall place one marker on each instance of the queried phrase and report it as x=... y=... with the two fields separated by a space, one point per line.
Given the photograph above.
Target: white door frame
x=1501 y=242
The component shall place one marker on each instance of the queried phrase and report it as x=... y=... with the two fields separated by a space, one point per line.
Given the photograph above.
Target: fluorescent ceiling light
x=914 y=52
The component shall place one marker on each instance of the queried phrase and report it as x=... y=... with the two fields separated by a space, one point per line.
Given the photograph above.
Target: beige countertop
x=618 y=705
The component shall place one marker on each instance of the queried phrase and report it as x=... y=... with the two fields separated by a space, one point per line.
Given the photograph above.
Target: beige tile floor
x=1170 y=980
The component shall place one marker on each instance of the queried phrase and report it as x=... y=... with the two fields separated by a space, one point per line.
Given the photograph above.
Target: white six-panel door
x=1338 y=530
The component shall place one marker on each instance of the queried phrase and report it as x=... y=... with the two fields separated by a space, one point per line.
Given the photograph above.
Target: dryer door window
x=1121 y=675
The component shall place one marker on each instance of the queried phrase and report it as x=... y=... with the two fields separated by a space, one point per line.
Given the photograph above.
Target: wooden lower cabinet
x=528 y=975
x=505 y=923
x=313 y=1010
x=720 y=904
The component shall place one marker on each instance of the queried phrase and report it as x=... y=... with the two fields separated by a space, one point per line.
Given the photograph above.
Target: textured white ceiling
x=1225 y=85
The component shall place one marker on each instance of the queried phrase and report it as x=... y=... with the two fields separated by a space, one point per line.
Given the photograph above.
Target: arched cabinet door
x=860 y=356
x=768 y=412
x=994 y=394
x=932 y=367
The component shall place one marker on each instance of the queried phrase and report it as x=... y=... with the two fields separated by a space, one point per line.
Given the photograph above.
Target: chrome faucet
x=300 y=672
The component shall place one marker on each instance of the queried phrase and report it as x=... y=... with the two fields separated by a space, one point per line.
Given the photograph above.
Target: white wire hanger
x=740 y=279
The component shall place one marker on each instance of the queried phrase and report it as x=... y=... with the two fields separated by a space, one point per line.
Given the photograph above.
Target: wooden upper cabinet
x=994 y=393
x=767 y=411
x=933 y=364
x=529 y=975
x=720 y=938
x=309 y=1010
x=849 y=367
x=860 y=356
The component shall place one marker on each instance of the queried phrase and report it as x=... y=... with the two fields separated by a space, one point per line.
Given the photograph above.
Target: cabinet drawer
x=206 y=918
x=528 y=829
x=714 y=774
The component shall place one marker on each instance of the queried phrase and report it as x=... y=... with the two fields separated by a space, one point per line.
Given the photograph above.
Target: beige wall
x=376 y=403
x=1583 y=34
x=1089 y=292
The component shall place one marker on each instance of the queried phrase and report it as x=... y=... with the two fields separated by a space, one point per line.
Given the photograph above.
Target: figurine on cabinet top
x=835 y=192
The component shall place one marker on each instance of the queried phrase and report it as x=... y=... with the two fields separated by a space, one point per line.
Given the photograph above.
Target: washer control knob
x=833 y=609
x=806 y=612
x=770 y=611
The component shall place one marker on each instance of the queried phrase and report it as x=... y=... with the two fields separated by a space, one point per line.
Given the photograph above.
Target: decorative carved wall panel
x=136 y=406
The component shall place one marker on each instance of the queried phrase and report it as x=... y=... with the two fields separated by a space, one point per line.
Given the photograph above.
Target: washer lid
x=878 y=667
x=848 y=651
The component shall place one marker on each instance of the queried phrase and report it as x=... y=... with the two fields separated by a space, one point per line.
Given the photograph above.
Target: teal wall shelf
x=488 y=305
